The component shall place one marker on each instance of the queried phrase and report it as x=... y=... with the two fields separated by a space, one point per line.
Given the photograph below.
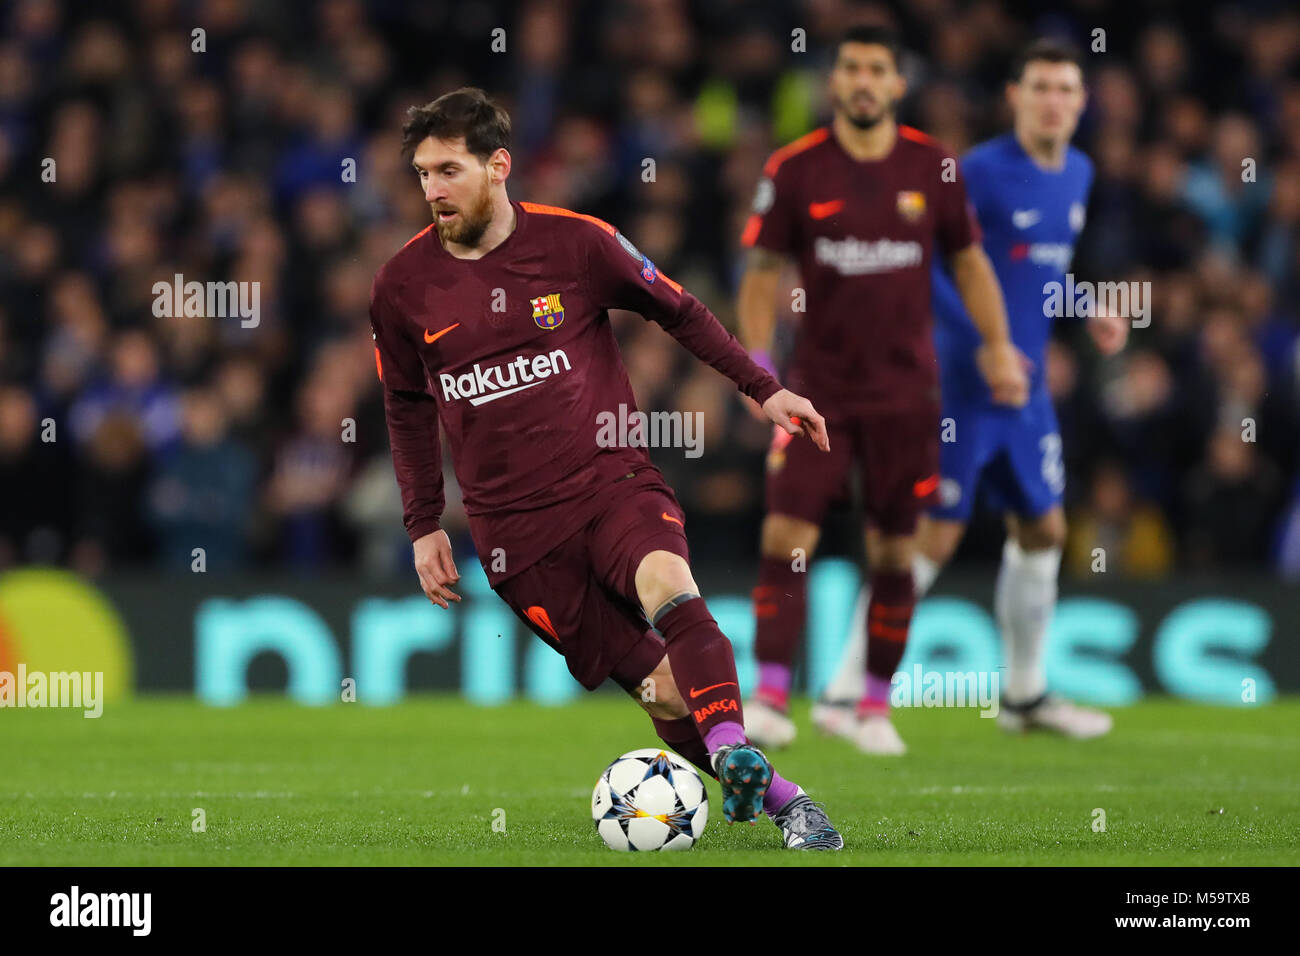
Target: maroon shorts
x=898 y=460
x=581 y=597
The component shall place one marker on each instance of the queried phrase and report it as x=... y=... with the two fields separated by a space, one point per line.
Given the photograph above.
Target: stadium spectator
x=35 y=526
x=1233 y=498
x=200 y=496
x=1133 y=537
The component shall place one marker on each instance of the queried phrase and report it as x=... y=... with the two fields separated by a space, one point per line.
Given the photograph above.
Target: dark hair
x=1048 y=50
x=878 y=35
x=465 y=112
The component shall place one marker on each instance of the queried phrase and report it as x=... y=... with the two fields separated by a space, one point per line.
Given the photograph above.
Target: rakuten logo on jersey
x=1055 y=254
x=482 y=385
x=856 y=257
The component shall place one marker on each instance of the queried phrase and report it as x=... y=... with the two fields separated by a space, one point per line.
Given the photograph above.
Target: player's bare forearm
x=756 y=302
x=978 y=285
x=1003 y=366
x=756 y=311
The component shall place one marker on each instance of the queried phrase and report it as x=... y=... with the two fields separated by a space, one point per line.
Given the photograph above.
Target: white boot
x=767 y=727
x=876 y=735
x=839 y=720
x=1057 y=715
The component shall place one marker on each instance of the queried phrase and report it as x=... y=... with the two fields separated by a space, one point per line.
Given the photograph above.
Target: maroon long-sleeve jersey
x=514 y=355
x=864 y=233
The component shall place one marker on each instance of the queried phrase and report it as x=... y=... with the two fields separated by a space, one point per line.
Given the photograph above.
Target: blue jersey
x=1031 y=218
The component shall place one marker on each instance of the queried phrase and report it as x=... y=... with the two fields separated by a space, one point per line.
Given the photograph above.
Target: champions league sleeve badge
x=648 y=270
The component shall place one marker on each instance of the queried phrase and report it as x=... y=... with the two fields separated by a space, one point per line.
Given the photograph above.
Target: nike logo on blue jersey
x=1024 y=218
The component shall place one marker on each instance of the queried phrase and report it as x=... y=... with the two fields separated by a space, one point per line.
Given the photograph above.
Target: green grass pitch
x=421 y=784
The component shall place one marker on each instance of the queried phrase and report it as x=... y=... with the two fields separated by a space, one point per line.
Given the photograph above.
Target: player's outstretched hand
x=436 y=568
x=1109 y=332
x=1005 y=368
x=797 y=416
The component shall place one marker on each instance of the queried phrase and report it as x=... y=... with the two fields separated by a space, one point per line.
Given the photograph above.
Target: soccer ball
x=650 y=800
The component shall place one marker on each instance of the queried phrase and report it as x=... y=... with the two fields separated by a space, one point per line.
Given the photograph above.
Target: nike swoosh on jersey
x=1024 y=218
x=431 y=338
x=822 y=210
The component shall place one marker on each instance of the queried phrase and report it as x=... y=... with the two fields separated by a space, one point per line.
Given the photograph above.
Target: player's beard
x=468 y=227
x=864 y=121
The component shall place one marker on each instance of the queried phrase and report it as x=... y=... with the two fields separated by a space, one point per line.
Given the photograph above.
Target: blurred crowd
x=214 y=138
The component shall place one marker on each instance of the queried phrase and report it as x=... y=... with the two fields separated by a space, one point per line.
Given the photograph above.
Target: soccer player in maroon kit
x=494 y=322
x=862 y=205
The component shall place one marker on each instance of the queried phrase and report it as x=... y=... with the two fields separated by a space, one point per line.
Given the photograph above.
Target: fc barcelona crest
x=911 y=205
x=548 y=313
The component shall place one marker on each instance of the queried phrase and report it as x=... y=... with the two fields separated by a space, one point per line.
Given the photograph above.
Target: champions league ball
x=650 y=800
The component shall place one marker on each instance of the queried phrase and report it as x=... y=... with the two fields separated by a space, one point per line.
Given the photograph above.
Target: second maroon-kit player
x=492 y=326
x=863 y=206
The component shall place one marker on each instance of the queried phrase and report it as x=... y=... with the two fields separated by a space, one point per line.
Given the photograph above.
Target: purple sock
x=774 y=676
x=726 y=734
x=774 y=685
x=878 y=692
x=781 y=792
